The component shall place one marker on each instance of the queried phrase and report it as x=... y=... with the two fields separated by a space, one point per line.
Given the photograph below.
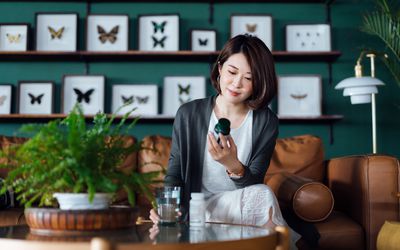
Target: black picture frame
x=10 y=42
x=107 y=37
x=59 y=37
x=35 y=97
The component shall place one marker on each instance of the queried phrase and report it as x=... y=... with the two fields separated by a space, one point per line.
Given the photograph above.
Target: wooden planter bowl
x=55 y=221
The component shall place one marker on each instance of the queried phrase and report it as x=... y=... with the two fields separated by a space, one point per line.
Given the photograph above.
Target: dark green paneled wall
x=352 y=135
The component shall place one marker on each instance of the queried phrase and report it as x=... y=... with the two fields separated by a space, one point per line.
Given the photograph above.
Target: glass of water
x=168 y=202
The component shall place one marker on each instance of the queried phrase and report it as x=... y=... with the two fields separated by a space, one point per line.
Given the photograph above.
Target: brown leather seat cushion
x=311 y=201
x=301 y=155
x=340 y=232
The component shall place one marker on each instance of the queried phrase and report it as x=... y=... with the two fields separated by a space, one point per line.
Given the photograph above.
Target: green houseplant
x=385 y=24
x=71 y=157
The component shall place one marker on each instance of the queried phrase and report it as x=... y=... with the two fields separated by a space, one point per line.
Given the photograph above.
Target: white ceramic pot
x=79 y=201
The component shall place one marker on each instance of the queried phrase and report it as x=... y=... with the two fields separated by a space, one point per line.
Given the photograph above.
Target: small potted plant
x=69 y=157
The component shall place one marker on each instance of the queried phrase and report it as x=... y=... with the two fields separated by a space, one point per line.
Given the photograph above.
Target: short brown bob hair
x=261 y=64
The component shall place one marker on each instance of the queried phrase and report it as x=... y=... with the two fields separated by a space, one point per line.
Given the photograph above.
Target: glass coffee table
x=142 y=237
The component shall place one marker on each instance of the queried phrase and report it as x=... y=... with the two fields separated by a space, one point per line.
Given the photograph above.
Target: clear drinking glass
x=168 y=201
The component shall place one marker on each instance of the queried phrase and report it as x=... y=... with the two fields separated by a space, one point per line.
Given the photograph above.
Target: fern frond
x=385 y=24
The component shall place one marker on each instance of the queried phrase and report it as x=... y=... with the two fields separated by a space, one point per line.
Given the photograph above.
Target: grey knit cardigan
x=189 y=138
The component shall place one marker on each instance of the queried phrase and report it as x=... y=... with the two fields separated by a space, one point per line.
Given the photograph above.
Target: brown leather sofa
x=335 y=204
x=363 y=190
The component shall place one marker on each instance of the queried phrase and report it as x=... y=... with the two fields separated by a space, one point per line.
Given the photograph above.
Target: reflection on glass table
x=148 y=237
x=210 y=232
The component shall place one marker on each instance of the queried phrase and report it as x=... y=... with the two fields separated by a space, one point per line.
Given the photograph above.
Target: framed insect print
x=142 y=97
x=35 y=97
x=14 y=37
x=308 y=37
x=56 y=31
x=260 y=26
x=203 y=40
x=107 y=32
x=159 y=32
x=299 y=95
x=181 y=89
x=87 y=90
x=5 y=98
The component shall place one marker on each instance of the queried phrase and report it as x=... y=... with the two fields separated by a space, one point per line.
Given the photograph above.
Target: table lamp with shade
x=362 y=89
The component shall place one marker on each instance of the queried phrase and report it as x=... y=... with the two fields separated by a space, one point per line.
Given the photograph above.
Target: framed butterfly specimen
x=5 y=98
x=259 y=25
x=14 y=37
x=300 y=95
x=181 y=89
x=203 y=40
x=107 y=32
x=87 y=90
x=308 y=37
x=56 y=31
x=35 y=97
x=143 y=97
x=158 y=32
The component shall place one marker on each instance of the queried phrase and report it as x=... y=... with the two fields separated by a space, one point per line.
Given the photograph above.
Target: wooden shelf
x=312 y=119
x=287 y=56
x=158 y=119
x=135 y=55
x=180 y=1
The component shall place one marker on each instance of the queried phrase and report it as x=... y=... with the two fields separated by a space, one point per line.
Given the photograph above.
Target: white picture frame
x=107 y=32
x=308 y=37
x=14 y=37
x=87 y=90
x=35 y=97
x=56 y=31
x=300 y=96
x=143 y=97
x=203 y=40
x=181 y=89
x=5 y=99
x=259 y=25
x=158 y=32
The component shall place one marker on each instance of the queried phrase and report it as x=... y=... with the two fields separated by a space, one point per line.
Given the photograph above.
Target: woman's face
x=236 y=79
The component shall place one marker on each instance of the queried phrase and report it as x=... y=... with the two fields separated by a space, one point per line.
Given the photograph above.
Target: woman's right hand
x=154 y=217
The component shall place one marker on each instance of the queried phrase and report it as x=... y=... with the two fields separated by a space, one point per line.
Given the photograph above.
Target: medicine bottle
x=197 y=210
x=223 y=126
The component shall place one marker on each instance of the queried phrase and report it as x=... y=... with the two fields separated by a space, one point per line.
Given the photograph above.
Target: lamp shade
x=359 y=88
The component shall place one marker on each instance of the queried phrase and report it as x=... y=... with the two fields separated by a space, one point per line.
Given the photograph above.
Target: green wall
x=352 y=135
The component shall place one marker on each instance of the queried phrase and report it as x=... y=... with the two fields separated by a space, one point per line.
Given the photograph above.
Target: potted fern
x=68 y=156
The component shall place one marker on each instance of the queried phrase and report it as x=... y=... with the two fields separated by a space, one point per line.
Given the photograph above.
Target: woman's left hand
x=224 y=153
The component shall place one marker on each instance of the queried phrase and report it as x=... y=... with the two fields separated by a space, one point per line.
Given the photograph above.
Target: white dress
x=225 y=202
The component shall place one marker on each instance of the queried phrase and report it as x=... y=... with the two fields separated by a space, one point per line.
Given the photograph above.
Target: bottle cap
x=197 y=196
x=223 y=126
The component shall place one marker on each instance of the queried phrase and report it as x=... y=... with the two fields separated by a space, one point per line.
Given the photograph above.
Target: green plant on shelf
x=385 y=24
x=70 y=156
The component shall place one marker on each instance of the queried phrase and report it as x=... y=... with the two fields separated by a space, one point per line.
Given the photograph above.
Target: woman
x=227 y=172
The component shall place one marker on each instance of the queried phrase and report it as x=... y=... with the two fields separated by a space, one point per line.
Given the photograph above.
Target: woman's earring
x=218 y=77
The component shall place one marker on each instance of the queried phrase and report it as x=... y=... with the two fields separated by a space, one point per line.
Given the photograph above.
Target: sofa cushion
x=127 y=166
x=339 y=231
x=153 y=157
x=301 y=155
x=5 y=143
x=311 y=201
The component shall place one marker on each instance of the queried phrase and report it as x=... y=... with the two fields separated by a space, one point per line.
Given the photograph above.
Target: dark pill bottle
x=223 y=126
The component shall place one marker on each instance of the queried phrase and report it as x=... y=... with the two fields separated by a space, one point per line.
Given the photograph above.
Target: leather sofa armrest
x=366 y=188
